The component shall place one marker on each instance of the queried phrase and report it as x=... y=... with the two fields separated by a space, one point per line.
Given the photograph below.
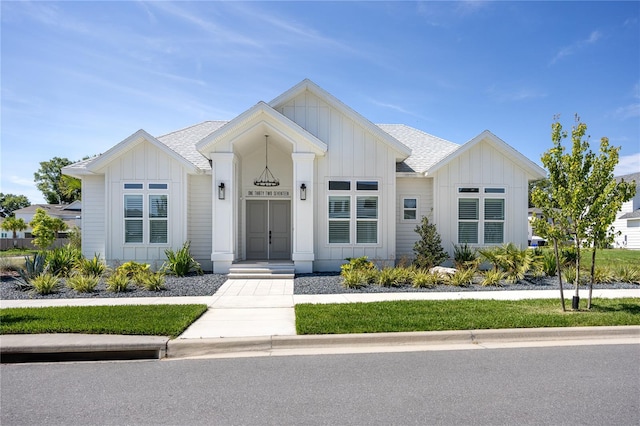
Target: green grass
x=421 y=315
x=17 y=252
x=154 y=320
x=612 y=257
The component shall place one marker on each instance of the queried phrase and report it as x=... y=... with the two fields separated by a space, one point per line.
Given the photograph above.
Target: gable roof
x=529 y=166
x=426 y=149
x=183 y=142
x=308 y=85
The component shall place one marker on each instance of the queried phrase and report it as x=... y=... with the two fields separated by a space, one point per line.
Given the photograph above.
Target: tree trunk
x=559 y=271
x=575 y=305
x=593 y=276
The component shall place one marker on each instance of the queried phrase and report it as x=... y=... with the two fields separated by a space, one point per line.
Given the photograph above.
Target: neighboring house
x=628 y=219
x=346 y=188
x=69 y=213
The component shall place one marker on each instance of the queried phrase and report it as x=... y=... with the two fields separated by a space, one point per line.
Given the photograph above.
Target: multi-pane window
x=145 y=214
x=409 y=208
x=481 y=216
x=347 y=204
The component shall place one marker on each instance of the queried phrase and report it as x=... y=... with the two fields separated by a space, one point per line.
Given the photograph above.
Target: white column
x=224 y=238
x=303 y=212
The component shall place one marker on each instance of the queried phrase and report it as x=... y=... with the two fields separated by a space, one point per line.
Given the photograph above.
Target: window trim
x=147 y=193
x=354 y=194
x=482 y=194
x=403 y=208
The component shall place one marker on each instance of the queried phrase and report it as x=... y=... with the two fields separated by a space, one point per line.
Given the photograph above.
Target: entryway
x=268 y=230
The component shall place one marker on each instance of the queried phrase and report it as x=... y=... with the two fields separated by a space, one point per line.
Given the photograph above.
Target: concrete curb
x=183 y=348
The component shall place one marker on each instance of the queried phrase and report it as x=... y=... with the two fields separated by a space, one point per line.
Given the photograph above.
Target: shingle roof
x=183 y=141
x=632 y=215
x=426 y=149
x=629 y=178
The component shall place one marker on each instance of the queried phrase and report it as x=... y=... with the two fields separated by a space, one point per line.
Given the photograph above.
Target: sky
x=79 y=77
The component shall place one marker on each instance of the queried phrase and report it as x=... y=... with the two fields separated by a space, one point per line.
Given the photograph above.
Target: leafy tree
x=14 y=225
x=10 y=203
x=49 y=180
x=45 y=228
x=577 y=197
x=428 y=248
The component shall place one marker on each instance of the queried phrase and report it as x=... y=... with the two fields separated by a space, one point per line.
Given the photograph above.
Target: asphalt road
x=594 y=385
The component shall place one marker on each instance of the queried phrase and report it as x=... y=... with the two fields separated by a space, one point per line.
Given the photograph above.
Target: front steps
x=262 y=270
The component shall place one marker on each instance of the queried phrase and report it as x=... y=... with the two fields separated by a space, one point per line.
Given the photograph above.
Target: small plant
x=45 y=283
x=61 y=261
x=428 y=248
x=132 y=268
x=180 y=262
x=515 y=263
x=492 y=278
x=426 y=279
x=549 y=265
x=354 y=278
x=461 y=278
x=83 y=283
x=33 y=267
x=604 y=275
x=118 y=282
x=465 y=257
x=152 y=281
x=358 y=263
x=568 y=256
x=390 y=277
x=94 y=267
x=569 y=275
x=628 y=274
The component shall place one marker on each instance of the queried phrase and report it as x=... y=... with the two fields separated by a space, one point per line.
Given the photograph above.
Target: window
x=146 y=216
x=133 y=186
x=409 y=208
x=481 y=219
x=353 y=204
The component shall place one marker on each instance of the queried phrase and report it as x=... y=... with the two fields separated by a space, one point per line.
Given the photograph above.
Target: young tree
x=574 y=200
x=49 y=181
x=609 y=195
x=428 y=248
x=10 y=203
x=14 y=225
x=45 y=228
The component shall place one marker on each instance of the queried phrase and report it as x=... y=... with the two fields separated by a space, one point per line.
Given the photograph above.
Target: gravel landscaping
x=319 y=283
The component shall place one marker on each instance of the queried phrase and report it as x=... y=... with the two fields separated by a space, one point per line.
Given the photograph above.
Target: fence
x=27 y=243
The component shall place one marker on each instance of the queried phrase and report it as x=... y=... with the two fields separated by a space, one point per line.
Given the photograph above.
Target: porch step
x=262 y=270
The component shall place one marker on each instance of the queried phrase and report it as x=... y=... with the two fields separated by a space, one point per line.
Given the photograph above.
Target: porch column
x=303 y=212
x=224 y=211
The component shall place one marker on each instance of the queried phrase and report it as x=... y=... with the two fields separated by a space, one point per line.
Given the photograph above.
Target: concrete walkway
x=258 y=314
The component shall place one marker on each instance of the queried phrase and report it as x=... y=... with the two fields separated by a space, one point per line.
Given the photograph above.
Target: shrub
x=549 y=264
x=358 y=263
x=83 y=283
x=61 y=261
x=45 y=283
x=180 y=262
x=492 y=278
x=94 y=267
x=354 y=278
x=628 y=274
x=33 y=267
x=152 y=281
x=390 y=277
x=465 y=257
x=132 y=268
x=569 y=275
x=604 y=275
x=515 y=263
x=568 y=256
x=428 y=248
x=118 y=282
x=461 y=278
x=426 y=279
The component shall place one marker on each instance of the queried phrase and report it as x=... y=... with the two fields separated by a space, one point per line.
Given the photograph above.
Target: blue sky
x=79 y=77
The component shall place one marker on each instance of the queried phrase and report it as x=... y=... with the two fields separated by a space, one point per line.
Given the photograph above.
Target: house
x=304 y=179
x=628 y=219
x=69 y=213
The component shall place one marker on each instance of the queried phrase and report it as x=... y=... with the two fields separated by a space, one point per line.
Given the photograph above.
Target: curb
x=183 y=348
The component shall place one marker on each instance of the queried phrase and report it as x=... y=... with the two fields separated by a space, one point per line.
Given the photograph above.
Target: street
x=594 y=385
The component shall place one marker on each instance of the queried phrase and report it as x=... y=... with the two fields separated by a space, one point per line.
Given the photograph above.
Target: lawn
x=421 y=315
x=154 y=320
x=612 y=258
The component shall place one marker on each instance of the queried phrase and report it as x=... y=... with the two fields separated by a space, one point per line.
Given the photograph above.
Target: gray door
x=268 y=229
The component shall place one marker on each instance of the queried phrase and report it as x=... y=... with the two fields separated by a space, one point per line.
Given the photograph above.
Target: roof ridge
x=191 y=127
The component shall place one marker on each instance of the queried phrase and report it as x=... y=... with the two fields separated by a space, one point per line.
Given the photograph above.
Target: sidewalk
x=252 y=314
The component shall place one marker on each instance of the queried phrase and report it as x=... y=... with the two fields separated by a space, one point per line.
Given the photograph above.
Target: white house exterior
x=628 y=219
x=69 y=213
x=366 y=188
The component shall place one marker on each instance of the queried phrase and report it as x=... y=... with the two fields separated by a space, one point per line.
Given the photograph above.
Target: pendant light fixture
x=266 y=178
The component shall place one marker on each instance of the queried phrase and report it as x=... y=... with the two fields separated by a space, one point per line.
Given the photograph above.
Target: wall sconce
x=303 y=192
x=221 y=191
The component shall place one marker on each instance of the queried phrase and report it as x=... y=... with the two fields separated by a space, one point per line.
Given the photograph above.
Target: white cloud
x=577 y=46
x=628 y=164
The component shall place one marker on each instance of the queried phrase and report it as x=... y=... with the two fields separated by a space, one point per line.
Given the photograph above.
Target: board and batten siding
x=481 y=166
x=422 y=190
x=199 y=219
x=353 y=153
x=145 y=163
x=629 y=229
x=93 y=216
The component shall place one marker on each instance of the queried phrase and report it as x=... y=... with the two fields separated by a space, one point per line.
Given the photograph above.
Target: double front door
x=268 y=229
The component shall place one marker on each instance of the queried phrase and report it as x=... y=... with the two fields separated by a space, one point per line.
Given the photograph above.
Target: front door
x=268 y=229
